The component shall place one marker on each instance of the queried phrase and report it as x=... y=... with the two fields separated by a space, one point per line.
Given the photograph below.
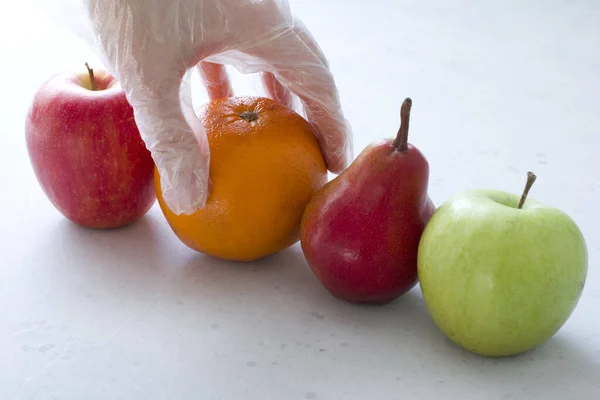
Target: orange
x=265 y=166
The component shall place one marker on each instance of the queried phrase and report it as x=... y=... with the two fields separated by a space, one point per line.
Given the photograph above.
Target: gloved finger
x=179 y=147
x=323 y=108
x=296 y=60
x=181 y=154
x=332 y=131
x=215 y=80
x=276 y=90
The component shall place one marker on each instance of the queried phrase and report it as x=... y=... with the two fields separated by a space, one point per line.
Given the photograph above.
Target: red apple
x=87 y=152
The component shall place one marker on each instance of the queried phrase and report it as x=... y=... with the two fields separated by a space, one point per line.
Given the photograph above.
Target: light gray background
x=499 y=88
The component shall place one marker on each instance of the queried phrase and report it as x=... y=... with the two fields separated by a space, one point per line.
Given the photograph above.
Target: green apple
x=500 y=274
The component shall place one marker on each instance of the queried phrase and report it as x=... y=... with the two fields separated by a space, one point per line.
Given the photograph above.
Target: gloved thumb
x=179 y=146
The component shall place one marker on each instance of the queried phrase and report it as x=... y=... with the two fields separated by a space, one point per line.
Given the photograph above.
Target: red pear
x=360 y=232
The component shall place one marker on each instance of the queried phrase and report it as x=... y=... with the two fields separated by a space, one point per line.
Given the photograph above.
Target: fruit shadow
x=402 y=329
x=143 y=266
x=559 y=368
x=76 y=261
x=279 y=273
x=282 y=288
x=133 y=244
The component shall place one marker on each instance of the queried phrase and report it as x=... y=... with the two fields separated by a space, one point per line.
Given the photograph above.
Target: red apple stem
x=530 y=180
x=401 y=141
x=92 y=79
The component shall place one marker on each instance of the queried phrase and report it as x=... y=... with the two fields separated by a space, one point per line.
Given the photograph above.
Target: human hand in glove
x=152 y=45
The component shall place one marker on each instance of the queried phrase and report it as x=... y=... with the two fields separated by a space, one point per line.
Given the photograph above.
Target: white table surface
x=498 y=89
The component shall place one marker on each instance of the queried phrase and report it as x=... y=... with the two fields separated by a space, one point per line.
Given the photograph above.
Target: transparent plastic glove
x=153 y=45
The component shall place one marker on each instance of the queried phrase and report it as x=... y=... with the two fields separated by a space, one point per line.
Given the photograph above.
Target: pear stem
x=92 y=79
x=530 y=180
x=401 y=141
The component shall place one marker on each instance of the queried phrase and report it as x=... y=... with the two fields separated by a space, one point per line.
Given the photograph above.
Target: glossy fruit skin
x=87 y=152
x=360 y=232
x=262 y=173
x=498 y=280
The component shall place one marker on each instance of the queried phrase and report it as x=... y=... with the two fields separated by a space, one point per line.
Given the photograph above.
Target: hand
x=151 y=46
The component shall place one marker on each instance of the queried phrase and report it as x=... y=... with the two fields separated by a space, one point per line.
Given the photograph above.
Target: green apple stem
x=92 y=79
x=401 y=141
x=530 y=179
